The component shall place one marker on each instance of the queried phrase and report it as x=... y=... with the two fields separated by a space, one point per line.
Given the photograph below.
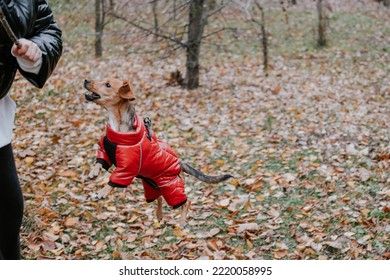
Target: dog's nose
x=87 y=81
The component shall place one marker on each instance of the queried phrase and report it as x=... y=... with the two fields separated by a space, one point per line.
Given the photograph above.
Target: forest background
x=292 y=99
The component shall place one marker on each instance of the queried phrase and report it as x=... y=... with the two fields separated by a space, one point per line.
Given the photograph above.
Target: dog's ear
x=126 y=92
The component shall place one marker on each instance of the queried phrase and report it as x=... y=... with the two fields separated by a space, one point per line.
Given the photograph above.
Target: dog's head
x=108 y=92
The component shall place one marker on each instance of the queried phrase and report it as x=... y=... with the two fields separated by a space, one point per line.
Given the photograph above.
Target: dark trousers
x=11 y=206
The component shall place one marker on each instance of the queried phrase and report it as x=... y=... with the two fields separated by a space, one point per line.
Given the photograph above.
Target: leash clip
x=148 y=125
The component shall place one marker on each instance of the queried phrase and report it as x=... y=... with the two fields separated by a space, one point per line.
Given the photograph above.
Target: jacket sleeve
x=121 y=177
x=102 y=156
x=47 y=35
x=33 y=20
x=127 y=167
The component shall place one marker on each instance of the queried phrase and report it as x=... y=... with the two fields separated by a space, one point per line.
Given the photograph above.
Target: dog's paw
x=95 y=196
x=95 y=171
x=91 y=176
x=103 y=193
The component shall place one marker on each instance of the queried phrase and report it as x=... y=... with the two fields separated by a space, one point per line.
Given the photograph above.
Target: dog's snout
x=87 y=84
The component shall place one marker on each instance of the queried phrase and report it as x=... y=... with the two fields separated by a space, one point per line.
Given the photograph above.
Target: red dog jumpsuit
x=136 y=155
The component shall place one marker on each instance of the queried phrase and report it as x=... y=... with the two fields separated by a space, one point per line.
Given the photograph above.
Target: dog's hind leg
x=159 y=209
x=184 y=212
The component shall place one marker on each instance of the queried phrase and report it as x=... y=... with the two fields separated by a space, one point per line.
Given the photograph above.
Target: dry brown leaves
x=308 y=146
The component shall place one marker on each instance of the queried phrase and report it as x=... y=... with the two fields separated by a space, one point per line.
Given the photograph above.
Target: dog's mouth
x=91 y=96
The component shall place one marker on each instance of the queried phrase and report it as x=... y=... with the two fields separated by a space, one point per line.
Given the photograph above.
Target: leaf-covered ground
x=308 y=147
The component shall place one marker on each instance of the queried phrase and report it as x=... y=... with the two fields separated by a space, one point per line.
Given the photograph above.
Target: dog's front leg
x=95 y=171
x=104 y=191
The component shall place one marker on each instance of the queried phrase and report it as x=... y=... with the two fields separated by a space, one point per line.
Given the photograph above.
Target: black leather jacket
x=32 y=20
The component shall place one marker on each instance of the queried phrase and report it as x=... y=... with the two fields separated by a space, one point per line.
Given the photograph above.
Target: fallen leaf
x=50 y=236
x=365 y=212
x=130 y=237
x=67 y=173
x=224 y=202
x=29 y=161
x=212 y=244
x=178 y=232
x=99 y=246
x=116 y=255
x=364 y=174
x=351 y=150
x=364 y=239
x=247 y=227
x=276 y=89
x=214 y=231
x=279 y=254
x=235 y=182
x=71 y=222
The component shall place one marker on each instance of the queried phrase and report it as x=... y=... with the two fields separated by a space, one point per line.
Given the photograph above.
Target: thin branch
x=218 y=9
x=219 y=31
x=151 y=32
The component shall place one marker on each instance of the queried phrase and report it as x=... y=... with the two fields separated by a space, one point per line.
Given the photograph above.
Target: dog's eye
x=108 y=85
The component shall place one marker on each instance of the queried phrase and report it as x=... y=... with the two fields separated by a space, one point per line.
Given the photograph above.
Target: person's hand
x=28 y=50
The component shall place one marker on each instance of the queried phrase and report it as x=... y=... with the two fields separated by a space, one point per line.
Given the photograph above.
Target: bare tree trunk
x=196 y=25
x=264 y=38
x=155 y=18
x=99 y=25
x=322 y=24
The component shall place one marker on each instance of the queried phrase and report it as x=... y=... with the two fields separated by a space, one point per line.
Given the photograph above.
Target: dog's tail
x=203 y=177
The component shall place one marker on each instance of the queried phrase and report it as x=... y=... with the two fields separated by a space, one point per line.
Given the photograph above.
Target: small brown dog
x=133 y=148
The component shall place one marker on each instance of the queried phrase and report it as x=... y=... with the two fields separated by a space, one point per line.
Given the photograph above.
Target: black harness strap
x=110 y=149
x=148 y=125
x=149 y=181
